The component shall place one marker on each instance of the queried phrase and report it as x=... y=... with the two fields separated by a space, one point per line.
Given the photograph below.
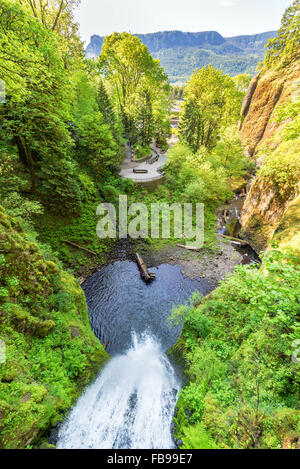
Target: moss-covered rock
x=47 y=363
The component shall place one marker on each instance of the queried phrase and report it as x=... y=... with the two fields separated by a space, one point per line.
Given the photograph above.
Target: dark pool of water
x=121 y=303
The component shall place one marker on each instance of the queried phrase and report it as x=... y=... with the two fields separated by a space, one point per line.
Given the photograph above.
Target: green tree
x=144 y=117
x=104 y=104
x=212 y=102
x=286 y=44
x=191 y=125
x=97 y=148
x=58 y=16
x=129 y=68
x=37 y=108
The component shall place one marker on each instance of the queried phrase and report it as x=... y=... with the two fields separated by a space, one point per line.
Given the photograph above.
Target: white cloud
x=227 y=3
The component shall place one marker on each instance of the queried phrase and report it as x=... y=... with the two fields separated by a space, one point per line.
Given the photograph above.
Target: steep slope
x=49 y=352
x=267 y=92
x=181 y=52
x=277 y=183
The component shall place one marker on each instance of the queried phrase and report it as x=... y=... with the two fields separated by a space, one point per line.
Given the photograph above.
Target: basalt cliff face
x=264 y=214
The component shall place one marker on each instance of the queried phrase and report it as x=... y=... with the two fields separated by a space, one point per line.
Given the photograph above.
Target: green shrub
x=141 y=151
x=238 y=347
x=197 y=437
x=282 y=167
x=47 y=366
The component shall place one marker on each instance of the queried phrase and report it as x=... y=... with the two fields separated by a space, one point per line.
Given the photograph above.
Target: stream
x=131 y=403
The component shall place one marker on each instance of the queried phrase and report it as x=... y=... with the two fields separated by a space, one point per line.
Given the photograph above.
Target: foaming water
x=130 y=405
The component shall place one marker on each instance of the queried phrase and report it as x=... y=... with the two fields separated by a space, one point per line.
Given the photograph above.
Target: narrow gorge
x=107 y=170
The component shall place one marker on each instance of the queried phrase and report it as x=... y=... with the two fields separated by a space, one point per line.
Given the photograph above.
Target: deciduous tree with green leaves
x=212 y=102
x=286 y=46
x=132 y=72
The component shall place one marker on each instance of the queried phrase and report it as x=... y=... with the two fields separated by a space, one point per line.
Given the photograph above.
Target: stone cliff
x=267 y=202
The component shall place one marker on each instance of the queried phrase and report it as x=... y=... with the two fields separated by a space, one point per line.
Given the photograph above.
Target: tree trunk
x=31 y=169
x=21 y=150
x=25 y=156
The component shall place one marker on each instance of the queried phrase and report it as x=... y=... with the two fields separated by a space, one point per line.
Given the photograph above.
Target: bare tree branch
x=61 y=7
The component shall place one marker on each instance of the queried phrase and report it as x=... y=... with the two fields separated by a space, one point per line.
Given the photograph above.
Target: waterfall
x=129 y=406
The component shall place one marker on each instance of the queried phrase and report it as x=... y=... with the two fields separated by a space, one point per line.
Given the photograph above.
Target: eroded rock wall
x=264 y=207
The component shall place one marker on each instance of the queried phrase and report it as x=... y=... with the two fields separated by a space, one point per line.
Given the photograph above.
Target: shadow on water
x=121 y=303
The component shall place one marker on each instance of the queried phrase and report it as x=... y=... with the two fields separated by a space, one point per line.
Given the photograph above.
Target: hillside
x=271 y=94
x=181 y=52
x=52 y=353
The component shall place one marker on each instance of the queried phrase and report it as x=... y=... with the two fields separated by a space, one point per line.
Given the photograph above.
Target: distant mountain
x=180 y=53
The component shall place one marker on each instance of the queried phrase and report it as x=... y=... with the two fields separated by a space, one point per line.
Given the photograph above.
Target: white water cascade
x=130 y=405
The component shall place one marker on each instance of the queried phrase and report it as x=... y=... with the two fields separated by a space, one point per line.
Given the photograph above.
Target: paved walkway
x=153 y=174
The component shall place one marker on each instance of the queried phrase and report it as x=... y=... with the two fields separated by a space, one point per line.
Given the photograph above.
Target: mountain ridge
x=181 y=52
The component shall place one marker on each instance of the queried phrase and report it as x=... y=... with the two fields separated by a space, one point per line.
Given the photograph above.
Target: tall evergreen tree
x=191 y=126
x=105 y=105
x=144 y=120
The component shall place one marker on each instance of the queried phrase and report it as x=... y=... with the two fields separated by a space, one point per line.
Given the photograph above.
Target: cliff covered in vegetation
x=266 y=132
x=270 y=132
x=51 y=353
x=240 y=344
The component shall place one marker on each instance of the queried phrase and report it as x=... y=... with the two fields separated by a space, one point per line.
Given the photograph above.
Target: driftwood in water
x=234 y=240
x=145 y=274
x=189 y=248
x=80 y=247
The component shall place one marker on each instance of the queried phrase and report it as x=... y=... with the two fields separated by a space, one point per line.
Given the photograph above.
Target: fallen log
x=234 y=240
x=80 y=247
x=189 y=248
x=145 y=274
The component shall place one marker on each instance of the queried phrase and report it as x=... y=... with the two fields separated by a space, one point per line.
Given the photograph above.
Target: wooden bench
x=140 y=171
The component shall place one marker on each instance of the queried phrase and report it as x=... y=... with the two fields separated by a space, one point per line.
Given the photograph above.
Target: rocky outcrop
x=287 y=234
x=267 y=91
x=265 y=205
x=262 y=212
x=248 y=98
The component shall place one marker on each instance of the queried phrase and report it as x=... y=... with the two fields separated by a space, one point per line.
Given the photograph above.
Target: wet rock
x=53 y=434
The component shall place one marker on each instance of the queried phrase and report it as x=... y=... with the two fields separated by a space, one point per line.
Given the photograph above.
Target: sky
x=228 y=17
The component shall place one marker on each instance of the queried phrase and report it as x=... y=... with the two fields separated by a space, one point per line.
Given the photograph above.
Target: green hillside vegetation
x=179 y=63
x=237 y=344
x=51 y=351
x=63 y=129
